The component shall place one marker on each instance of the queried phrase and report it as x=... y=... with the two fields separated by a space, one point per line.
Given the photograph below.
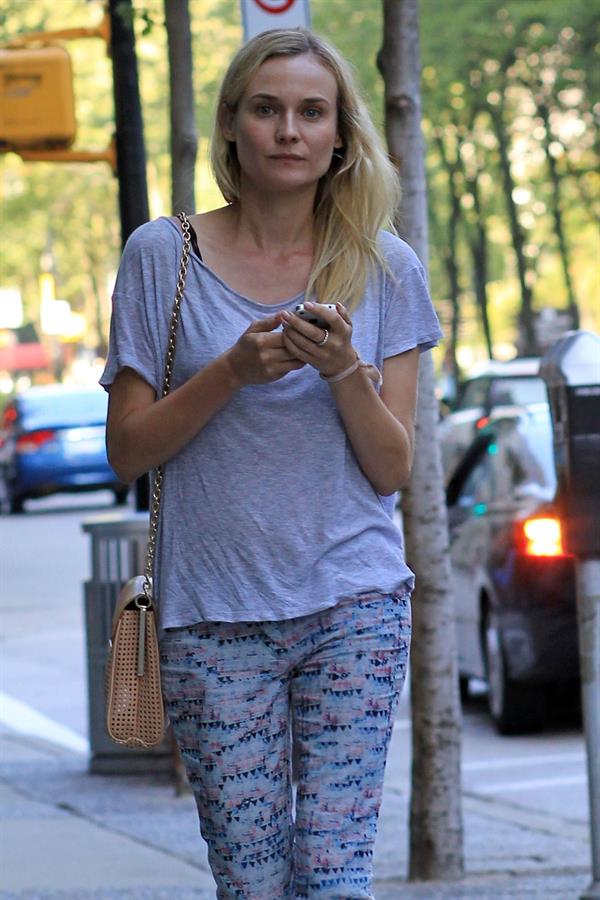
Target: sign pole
x=262 y=15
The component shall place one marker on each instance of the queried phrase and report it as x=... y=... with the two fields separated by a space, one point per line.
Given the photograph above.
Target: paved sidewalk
x=68 y=834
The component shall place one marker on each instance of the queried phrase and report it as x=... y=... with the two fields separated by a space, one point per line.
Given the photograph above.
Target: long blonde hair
x=356 y=197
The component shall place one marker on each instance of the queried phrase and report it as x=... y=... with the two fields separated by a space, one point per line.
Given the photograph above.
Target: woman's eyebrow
x=263 y=96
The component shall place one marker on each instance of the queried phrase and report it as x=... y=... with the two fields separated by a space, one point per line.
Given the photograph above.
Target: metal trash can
x=118 y=545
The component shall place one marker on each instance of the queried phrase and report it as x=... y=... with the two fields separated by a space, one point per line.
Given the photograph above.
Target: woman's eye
x=312 y=112
x=264 y=109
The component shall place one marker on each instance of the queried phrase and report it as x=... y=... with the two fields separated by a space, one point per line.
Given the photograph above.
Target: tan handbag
x=134 y=705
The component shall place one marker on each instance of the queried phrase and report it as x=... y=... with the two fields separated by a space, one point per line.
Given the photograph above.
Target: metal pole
x=131 y=153
x=587 y=573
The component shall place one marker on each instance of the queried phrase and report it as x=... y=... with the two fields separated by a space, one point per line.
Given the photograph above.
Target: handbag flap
x=130 y=590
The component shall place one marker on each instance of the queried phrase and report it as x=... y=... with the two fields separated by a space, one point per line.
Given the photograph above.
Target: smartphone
x=309 y=315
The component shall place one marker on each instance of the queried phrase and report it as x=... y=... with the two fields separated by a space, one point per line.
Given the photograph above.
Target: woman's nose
x=287 y=129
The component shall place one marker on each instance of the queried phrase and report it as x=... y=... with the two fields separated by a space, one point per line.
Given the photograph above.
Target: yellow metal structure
x=37 y=106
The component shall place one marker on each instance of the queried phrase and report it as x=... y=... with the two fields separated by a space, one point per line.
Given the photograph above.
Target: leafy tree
x=553 y=167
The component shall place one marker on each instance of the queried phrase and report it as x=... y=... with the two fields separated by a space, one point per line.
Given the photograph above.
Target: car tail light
x=542 y=536
x=9 y=416
x=29 y=443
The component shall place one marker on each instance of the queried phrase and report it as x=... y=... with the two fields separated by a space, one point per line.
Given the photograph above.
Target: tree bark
x=557 y=214
x=436 y=829
x=527 y=343
x=477 y=240
x=450 y=252
x=184 y=137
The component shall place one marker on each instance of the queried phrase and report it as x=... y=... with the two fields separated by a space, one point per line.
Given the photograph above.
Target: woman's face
x=285 y=126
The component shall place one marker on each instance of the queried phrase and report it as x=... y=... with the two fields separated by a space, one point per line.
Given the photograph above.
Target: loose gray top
x=266 y=514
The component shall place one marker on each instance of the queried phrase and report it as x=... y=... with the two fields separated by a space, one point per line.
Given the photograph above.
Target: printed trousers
x=231 y=690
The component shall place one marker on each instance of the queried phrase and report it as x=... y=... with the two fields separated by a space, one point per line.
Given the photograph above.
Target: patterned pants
x=230 y=689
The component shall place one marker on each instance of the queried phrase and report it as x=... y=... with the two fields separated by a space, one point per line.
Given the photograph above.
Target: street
x=536 y=782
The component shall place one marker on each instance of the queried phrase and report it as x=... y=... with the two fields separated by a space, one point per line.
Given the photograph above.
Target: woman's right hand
x=259 y=356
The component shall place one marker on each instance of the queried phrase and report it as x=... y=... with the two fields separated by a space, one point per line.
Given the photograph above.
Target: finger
x=297 y=343
x=283 y=355
x=299 y=353
x=330 y=316
x=269 y=323
x=293 y=322
x=343 y=313
x=293 y=366
x=274 y=339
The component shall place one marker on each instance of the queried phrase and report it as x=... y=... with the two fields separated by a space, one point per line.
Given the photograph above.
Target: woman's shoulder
x=153 y=237
x=398 y=254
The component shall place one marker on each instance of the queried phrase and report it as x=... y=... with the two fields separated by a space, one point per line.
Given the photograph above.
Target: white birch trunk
x=184 y=138
x=436 y=831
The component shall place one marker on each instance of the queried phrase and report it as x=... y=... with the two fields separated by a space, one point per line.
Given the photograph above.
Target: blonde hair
x=357 y=196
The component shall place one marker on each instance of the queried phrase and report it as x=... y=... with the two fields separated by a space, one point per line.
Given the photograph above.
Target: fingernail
x=285 y=315
x=309 y=305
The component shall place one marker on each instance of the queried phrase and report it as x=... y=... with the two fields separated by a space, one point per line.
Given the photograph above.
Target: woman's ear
x=226 y=122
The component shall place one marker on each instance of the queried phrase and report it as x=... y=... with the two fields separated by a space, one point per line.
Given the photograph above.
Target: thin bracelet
x=358 y=363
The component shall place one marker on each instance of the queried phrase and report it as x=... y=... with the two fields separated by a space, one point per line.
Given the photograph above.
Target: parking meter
x=571 y=370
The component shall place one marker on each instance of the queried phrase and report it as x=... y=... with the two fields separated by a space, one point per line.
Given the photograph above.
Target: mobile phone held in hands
x=309 y=315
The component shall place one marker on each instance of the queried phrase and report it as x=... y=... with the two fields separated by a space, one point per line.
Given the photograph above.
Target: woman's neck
x=274 y=225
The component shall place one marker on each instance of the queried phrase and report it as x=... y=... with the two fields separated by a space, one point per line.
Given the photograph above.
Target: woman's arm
x=143 y=432
x=380 y=427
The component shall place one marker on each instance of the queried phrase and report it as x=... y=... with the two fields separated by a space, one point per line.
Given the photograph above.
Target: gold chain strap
x=170 y=359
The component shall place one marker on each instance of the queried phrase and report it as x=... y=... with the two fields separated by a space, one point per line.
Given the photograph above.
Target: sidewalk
x=68 y=834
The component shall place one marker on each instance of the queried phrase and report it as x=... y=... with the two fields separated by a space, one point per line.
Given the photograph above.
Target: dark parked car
x=52 y=439
x=514 y=585
x=493 y=384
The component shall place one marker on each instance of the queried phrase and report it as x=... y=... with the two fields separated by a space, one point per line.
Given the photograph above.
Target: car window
x=473 y=394
x=477 y=486
x=522 y=458
x=521 y=391
x=519 y=459
x=68 y=408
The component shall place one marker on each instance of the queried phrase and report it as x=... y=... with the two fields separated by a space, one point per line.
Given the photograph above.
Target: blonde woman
x=281 y=578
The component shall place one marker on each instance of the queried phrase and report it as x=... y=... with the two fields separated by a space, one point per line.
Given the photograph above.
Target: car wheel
x=121 y=495
x=463 y=686
x=15 y=505
x=516 y=707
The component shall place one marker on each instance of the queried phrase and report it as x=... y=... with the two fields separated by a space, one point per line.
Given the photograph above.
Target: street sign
x=260 y=15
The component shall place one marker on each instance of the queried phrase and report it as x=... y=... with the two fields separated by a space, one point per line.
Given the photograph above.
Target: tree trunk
x=450 y=365
x=436 y=830
x=527 y=343
x=557 y=214
x=450 y=252
x=184 y=137
x=478 y=247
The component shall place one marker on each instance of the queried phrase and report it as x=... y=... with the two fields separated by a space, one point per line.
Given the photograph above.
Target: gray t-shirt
x=266 y=514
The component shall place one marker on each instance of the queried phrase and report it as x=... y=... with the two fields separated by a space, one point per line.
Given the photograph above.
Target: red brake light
x=9 y=416
x=542 y=537
x=29 y=443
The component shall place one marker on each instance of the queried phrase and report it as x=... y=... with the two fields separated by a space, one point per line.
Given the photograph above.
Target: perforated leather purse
x=134 y=705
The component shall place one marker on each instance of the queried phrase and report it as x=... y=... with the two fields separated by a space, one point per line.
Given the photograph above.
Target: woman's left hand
x=329 y=350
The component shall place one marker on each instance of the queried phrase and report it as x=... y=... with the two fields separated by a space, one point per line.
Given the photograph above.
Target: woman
x=281 y=581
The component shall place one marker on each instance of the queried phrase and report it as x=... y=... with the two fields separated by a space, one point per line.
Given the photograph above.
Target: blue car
x=52 y=440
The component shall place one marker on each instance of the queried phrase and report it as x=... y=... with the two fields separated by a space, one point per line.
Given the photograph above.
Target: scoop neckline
x=228 y=288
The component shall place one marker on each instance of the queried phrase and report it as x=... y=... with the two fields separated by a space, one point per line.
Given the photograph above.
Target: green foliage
x=514 y=59
x=470 y=49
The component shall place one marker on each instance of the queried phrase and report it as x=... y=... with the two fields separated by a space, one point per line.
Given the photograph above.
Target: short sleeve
x=133 y=339
x=410 y=319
